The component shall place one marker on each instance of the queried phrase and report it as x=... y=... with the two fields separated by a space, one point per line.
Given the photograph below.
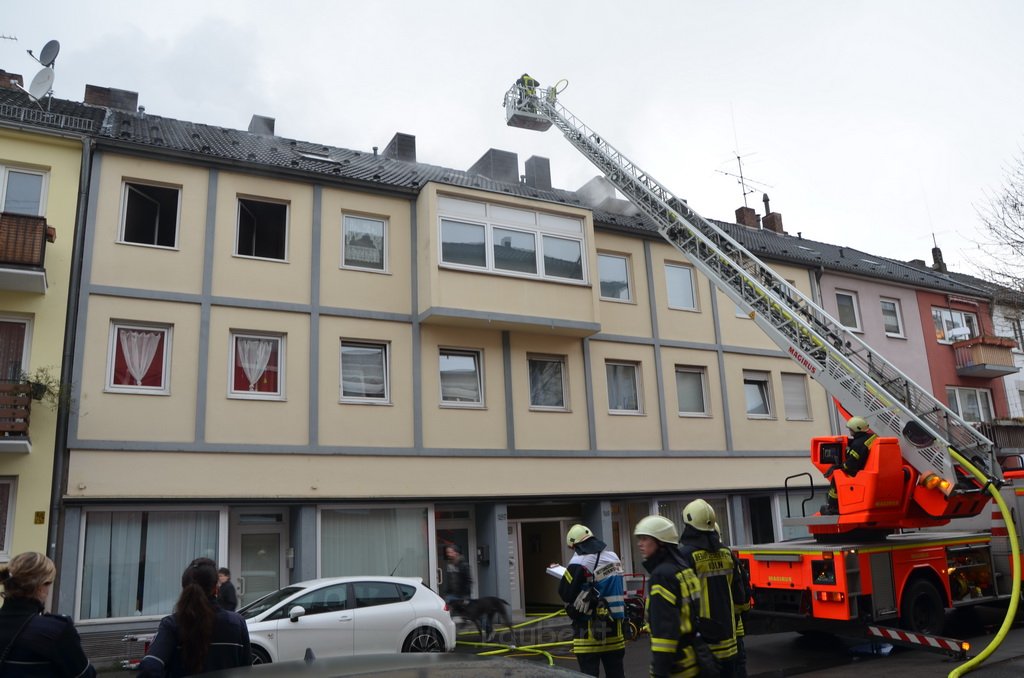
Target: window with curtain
x=139 y=359
x=973 y=404
x=691 y=390
x=257 y=367
x=374 y=540
x=133 y=560
x=757 y=392
x=681 y=289
x=892 y=319
x=364 y=372
x=547 y=382
x=794 y=396
x=623 y=387
x=364 y=243
x=461 y=381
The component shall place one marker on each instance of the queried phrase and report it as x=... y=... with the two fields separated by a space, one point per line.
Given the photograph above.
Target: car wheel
x=922 y=610
x=259 y=656
x=423 y=640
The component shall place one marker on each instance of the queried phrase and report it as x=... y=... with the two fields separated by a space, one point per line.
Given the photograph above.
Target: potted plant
x=46 y=386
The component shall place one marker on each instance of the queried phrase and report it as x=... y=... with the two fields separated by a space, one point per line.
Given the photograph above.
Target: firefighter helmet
x=699 y=514
x=658 y=527
x=576 y=534
x=857 y=424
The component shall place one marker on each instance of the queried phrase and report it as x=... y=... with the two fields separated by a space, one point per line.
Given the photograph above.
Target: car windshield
x=268 y=601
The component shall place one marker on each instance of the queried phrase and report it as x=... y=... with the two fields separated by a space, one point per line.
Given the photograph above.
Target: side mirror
x=296 y=612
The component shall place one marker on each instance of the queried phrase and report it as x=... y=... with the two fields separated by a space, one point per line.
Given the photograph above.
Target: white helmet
x=659 y=527
x=576 y=534
x=857 y=424
x=700 y=515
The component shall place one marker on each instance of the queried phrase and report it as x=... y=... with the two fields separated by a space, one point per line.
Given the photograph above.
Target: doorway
x=456 y=529
x=257 y=553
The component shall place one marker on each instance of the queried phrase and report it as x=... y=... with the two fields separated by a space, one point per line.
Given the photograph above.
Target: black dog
x=482 y=611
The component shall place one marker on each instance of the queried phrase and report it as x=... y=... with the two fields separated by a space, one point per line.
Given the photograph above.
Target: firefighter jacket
x=857 y=449
x=595 y=566
x=47 y=645
x=722 y=600
x=673 y=598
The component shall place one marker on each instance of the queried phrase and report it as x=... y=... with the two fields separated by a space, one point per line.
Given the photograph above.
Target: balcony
x=23 y=241
x=15 y=407
x=985 y=357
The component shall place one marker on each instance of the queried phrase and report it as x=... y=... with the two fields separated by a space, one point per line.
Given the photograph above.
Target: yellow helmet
x=700 y=515
x=857 y=424
x=659 y=527
x=576 y=534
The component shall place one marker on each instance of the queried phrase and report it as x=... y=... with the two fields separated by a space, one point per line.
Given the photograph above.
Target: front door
x=458 y=532
x=257 y=553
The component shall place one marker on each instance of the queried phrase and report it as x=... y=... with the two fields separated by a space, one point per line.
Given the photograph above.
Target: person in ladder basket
x=857 y=449
x=722 y=598
x=528 y=90
x=593 y=590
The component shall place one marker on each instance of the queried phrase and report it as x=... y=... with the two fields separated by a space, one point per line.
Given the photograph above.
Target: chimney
x=939 y=264
x=10 y=80
x=538 y=173
x=498 y=165
x=111 y=97
x=401 y=147
x=746 y=216
x=262 y=125
x=772 y=222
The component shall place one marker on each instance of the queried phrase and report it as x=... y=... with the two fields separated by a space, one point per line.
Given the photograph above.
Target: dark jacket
x=857 y=449
x=721 y=599
x=47 y=646
x=458 y=581
x=672 y=601
x=227 y=597
x=229 y=647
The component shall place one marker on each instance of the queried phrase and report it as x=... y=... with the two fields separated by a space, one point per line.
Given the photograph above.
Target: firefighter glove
x=586 y=601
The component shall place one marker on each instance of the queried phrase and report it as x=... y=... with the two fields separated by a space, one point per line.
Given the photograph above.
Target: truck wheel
x=922 y=610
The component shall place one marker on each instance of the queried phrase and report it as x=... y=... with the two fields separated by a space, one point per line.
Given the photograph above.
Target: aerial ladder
x=934 y=441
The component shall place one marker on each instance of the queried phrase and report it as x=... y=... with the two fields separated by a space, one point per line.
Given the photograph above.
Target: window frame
x=385 y=266
x=702 y=376
x=127 y=185
x=763 y=379
x=808 y=414
x=232 y=393
x=897 y=308
x=942 y=312
x=385 y=348
x=5 y=171
x=637 y=385
x=564 y=380
x=113 y=346
x=953 y=394
x=629 y=277
x=693 y=287
x=1018 y=333
x=239 y=200
x=7 y=533
x=478 y=365
x=855 y=302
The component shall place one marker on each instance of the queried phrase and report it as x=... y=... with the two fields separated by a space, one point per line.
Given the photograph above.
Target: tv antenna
x=42 y=84
x=8 y=37
x=745 y=181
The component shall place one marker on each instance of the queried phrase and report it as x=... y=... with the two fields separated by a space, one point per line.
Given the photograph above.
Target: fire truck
x=882 y=559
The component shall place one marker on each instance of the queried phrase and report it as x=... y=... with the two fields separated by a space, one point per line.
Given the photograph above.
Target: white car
x=344 y=616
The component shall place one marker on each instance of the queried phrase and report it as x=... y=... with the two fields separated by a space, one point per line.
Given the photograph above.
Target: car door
x=326 y=627
x=382 y=618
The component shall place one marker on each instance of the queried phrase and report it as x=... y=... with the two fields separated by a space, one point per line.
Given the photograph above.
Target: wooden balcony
x=985 y=357
x=15 y=408
x=23 y=241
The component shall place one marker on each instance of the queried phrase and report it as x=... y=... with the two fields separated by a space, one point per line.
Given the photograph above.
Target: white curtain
x=254 y=354
x=110 y=581
x=173 y=540
x=139 y=349
x=374 y=542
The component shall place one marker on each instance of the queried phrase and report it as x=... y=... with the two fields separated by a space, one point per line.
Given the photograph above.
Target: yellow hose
x=1011 y=529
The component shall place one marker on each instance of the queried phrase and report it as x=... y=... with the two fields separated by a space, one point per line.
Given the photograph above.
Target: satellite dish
x=41 y=83
x=49 y=53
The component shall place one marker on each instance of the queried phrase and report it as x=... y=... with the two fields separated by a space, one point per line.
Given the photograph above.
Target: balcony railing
x=986 y=357
x=15 y=408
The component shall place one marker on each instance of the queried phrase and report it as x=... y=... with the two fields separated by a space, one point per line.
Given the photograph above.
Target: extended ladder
x=864 y=381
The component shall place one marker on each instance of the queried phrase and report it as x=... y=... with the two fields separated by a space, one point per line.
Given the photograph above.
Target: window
x=691 y=389
x=953 y=325
x=262 y=229
x=333 y=598
x=22 y=191
x=757 y=391
x=623 y=388
x=13 y=358
x=133 y=559
x=547 y=382
x=364 y=372
x=7 y=495
x=510 y=241
x=794 y=397
x=138 y=359
x=257 y=370
x=613 y=271
x=364 y=243
x=350 y=542
x=461 y=382
x=849 y=313
x=892 y=318
x=681 y=292
x=373 y=593
x=972 y=404
x=150 y=215
x=1018 y=333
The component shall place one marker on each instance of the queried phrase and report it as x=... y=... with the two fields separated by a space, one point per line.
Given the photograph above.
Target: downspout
x=54 y=540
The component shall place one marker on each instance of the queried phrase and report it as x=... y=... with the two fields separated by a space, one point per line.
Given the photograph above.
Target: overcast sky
x=875 y=124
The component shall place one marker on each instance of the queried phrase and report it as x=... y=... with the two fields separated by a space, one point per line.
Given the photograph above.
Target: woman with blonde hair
x=35 y=643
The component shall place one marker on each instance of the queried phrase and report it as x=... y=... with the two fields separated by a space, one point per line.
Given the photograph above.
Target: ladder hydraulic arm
x=863 y=381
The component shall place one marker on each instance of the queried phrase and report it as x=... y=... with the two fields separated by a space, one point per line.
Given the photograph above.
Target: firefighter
x=722 y=598
x=528 y=90
x=857 y=449
x=673 y=595
x=593 y=590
